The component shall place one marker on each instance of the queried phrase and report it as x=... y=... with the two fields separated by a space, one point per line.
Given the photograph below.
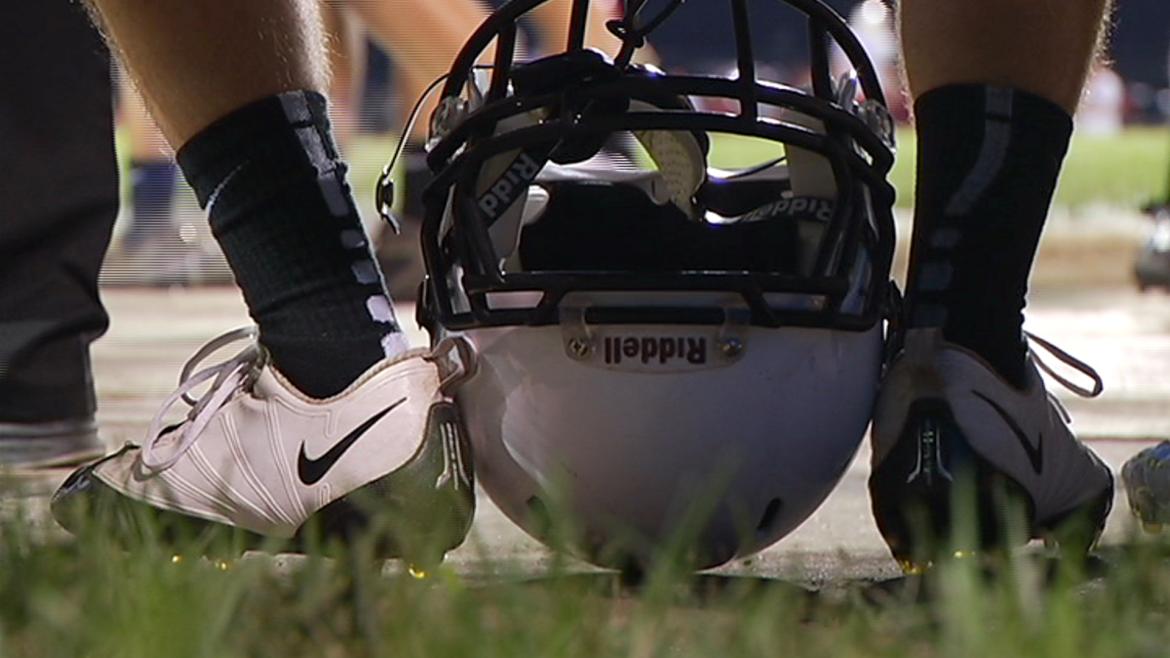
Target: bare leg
x=226 y=54
x=1041 y=47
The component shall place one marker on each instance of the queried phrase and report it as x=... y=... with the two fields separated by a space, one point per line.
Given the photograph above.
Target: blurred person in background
x=1152 y=267
x=60 y=192
x=874 y=21
x=1147 y=474
x=152 y=177
x=1102 y=109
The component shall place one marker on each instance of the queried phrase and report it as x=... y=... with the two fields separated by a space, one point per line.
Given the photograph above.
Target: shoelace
x=1070 y=361
x=227 y=378
x=239 y=374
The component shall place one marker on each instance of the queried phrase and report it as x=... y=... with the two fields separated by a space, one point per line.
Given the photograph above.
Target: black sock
x=988 y=161
x=284 y=215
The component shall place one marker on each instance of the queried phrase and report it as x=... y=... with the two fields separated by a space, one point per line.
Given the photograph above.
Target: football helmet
x=667 y=355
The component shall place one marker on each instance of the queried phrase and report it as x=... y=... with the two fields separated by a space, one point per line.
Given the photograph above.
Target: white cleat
x=265 y=466
x=950 y=435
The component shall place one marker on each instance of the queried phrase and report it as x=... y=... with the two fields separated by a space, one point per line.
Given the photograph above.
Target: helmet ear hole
x=539 y=518
x=769 y=517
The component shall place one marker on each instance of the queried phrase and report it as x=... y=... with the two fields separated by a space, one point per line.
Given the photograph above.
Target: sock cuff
x=290 y=130
x=949 y=104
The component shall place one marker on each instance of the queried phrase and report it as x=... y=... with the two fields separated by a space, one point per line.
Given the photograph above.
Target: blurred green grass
x=1124 y=170
x=72 y=597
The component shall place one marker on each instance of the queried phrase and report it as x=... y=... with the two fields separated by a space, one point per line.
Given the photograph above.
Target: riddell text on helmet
x=515 y=179
x=662 y=349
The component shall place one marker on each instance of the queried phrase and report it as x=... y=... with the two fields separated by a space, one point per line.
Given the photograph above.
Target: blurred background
x=1118 y=165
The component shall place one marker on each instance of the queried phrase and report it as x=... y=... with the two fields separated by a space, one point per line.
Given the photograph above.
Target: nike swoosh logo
x=1035 y=453
x=311 y=471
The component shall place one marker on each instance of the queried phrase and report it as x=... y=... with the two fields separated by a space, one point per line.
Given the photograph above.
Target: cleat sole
x=935 y=498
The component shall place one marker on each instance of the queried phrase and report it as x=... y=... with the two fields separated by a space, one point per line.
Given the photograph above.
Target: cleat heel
x=935 y=498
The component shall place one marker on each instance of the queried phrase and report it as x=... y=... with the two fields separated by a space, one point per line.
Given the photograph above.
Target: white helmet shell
x=667 y=434
x=673 y=360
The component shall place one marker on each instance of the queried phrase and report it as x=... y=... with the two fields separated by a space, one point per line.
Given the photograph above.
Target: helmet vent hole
x=538 y=515
x=770 y=515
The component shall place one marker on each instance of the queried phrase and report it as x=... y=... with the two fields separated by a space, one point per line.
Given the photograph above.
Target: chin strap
x=1068 y=360
x=455 y=357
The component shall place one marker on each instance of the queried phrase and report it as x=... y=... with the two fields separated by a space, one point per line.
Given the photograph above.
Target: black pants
x=58 y=200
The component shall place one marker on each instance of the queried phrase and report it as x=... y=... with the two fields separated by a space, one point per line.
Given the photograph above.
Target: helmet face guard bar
x=859 y=160
x=824 y=23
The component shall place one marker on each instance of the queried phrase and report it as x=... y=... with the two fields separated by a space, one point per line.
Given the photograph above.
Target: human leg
x=995 y=84
x=236 y=89
x=60 y=190
x=246 y=115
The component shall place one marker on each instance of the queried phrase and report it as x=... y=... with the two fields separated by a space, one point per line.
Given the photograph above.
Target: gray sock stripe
x=997 y=135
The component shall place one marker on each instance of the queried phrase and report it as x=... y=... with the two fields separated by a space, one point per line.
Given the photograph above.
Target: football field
x=1119 y=171
x=828 y=589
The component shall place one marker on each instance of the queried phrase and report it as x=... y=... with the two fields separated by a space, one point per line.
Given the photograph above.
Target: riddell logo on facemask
x=655 y=349
x=502 y=194
x=798 y=206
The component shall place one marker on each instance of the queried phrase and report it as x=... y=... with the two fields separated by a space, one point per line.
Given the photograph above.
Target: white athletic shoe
x=268 y=467
x=945 y=418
